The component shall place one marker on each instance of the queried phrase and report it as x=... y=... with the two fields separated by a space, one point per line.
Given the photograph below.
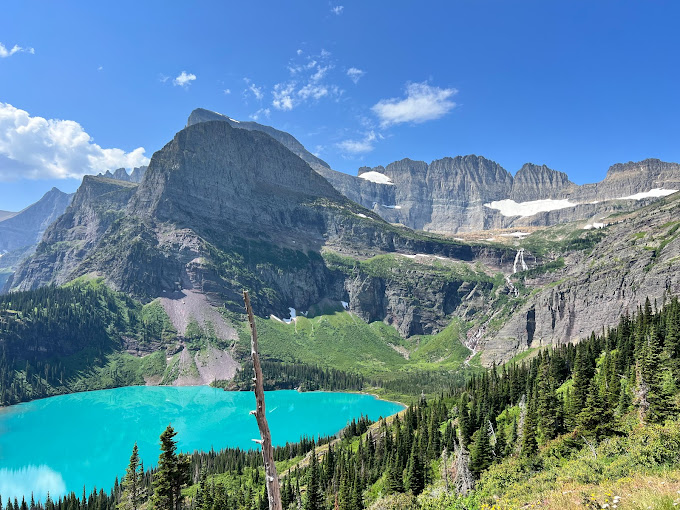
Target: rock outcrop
x=121 y=174
x=636 y=258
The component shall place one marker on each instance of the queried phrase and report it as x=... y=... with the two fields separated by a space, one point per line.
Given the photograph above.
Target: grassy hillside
x=390 y=365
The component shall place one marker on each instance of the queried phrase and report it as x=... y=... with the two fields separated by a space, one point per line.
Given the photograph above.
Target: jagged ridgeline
x=221 y=209
x=464 y=193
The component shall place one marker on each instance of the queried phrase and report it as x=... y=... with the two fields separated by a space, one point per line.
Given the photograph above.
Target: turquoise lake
x=63 y=443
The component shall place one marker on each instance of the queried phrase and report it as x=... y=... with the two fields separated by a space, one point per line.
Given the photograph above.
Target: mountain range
x=228 y=205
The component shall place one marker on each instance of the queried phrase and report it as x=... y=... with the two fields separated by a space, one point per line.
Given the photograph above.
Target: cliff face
x=97 y=204
x=533 y=182
x=636 y=258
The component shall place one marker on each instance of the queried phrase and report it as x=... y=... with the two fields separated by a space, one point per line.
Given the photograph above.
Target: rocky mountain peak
x=26 y=227
x=223 y=178
x=290 y=142
x=534 y=182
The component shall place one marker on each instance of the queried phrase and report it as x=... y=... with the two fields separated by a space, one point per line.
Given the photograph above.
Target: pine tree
x=131 y=483
x=415 y=472
x=529 y=445
x=172 y=473
x=654 y=401
x=595 y=417
x=314 y=499
x=584 y=371
x=395 y=478
x=481 y=455
x=549 y=406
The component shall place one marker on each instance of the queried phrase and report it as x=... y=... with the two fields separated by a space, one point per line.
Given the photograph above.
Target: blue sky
x=577 y=85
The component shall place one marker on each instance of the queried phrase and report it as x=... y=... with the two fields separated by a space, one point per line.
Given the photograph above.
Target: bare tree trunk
x=520 y=425
x=445 y=454
x=272 y=477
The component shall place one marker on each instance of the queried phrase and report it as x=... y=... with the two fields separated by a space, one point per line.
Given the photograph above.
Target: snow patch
x=519 y=235
x=376 y=177
x=652 y=193
x=391 y=206
x=512 y=208
x=590 y=226
x=362 y=215
x=345 y=305
x=293 y=316
x=408 y=256
x=234 y=120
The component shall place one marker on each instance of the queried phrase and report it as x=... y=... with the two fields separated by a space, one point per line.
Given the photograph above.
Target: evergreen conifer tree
x=132 y=483
x=415 y=472
x=314 y=498
x=481 y=454
x=172 y=474
x=529 y=444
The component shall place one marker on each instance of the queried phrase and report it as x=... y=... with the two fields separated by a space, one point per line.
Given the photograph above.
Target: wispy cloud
x=355 y=74
x=262 y=112
x=337 y=10
x=423 y=102
x=309 y=82
x=184 y=79
x=38 y=148
x=227 y=91
x=253 y=89
x=100 y=68
x=360 y=146
x=4 y=52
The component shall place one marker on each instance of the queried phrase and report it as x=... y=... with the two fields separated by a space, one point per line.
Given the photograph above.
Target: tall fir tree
x=132 y=483
x=481 y=455
x=529 y=444
x=171 y=475
x=314 y=497
x=415 y=471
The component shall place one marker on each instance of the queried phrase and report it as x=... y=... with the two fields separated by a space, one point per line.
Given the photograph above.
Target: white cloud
x=283 y=96
x=38 y=148
x=355 y=74
x=162 y=78
x=337 y=10
x=4 y=52
x=423 y=102
x=310 y=82
x=100 y=68
x=320 y=72
x=359 y=146
x=252 y=88
x=184 y=79
x=262 y=112
x=227 y=91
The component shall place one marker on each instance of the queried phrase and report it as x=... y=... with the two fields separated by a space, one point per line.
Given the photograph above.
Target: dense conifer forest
x=54 y=336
